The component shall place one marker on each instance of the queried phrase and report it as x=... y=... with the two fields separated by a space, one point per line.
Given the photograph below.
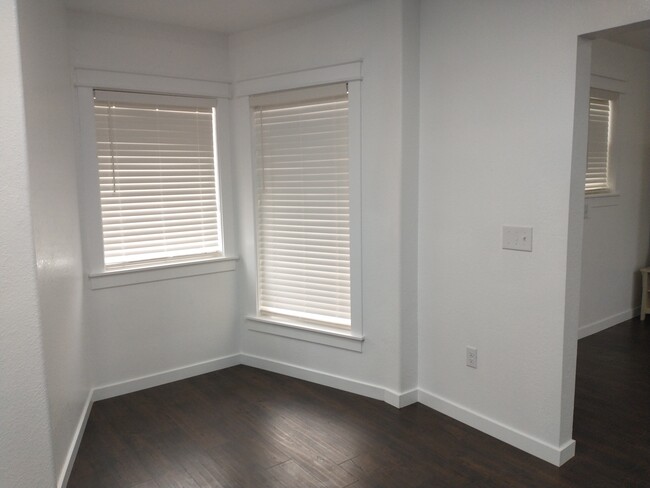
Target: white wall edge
x=157 y=379
x=400 y=400
x=299 y=79
x=607 y=322
x=115 y=80
x=556 y=455
x=70 y=457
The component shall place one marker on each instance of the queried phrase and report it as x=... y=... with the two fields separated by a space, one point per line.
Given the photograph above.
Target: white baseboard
x=400 y=400
x=393 y=398
x=157 y=379
x=607 y=322
x=541 y=449
x=66 y=469
x=129 y=386
x=553 y=454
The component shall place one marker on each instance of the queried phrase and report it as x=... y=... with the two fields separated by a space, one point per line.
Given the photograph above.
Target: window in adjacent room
x=599 y=172
x=303 y=205
x=158 y=179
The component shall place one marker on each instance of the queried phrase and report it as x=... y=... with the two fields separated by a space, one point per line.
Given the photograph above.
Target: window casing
x=302 y=162
x=158 y=179
x=598 y=177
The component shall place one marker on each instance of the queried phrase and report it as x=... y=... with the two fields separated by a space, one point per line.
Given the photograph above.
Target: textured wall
x=149 y=328
x=55 y=215
x=25 y=449
x=616 y=230
x=374 y=33
x=498 y=86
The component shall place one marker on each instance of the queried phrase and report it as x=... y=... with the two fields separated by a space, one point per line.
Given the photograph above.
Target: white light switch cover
x=518 y=238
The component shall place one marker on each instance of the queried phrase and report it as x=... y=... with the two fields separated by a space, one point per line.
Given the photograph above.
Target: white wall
x=498 y=85
x=149 y=328
x=372 y=32
x=617 y=229
x=132 y=46
x=55 y=217
x=484 y=161
x=25 y=447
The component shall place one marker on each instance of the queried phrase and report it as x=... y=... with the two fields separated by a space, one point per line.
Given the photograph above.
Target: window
x=158 y=179
x=598 y=178
x=303 y=205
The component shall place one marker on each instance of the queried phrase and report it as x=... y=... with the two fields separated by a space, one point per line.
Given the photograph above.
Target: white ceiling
x=225 y=16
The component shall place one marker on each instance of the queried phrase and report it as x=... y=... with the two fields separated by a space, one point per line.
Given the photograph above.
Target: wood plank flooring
x=243 y=427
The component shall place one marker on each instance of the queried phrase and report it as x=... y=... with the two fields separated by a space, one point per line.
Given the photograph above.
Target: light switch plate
x=518 y=238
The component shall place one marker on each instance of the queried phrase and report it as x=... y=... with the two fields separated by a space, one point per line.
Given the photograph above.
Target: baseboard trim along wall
x=395 y=399
x=552 y=454
x=543 y=450
x=401 y=400
x=130 y=386
x=66 y=469
x=157 y=379
x=607 y=322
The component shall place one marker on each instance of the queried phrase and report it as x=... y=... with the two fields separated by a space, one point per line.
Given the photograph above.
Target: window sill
x=604 y=199
x=111 y=279
x=307 y=333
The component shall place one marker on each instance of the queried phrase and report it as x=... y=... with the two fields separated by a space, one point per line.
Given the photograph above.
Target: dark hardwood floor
x=242 y=427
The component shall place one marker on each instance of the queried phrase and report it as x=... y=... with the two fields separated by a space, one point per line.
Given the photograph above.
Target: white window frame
x=612 y=99
x=351 y=339
x=611 y=88
x=86 y=81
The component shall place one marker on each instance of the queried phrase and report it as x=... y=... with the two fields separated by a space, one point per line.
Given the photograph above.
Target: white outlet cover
x=518 y=238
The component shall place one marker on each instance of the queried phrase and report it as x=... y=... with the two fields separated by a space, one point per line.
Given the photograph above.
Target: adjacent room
x=324 y=243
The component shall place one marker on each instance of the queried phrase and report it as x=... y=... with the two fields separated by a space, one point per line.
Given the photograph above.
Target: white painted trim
x=86 y=81
x=299 y=79
x=70 y=457
x=401 y=400
x=90 y=207
x=608 y=83
x=115 y=80
x=351 y=74
x=596 y=200
x=305 y=333
x=356 y=219
x=313 y=376
x=556 y=455
x=129 y=386
x=607 y=322
x=157 y=379
x=111 y=279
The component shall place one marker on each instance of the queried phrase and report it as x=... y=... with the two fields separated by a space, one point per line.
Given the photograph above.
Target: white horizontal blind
x=600 y=112
x=158 y=180
x=303 y=205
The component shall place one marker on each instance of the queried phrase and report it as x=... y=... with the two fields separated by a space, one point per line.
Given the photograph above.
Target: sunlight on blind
x=157 y=175
x=304 y=209
x=598 y=146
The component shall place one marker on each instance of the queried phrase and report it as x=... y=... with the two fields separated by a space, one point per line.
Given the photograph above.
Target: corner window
x=599 y=172
x=303 y=196
x=158 y=179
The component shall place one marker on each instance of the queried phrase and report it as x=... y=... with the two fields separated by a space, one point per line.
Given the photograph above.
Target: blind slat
x=157 y=177
x=597 y=177
x=303 y=208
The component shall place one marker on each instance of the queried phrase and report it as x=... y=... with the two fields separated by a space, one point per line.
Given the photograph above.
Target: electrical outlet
x=472 y=357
